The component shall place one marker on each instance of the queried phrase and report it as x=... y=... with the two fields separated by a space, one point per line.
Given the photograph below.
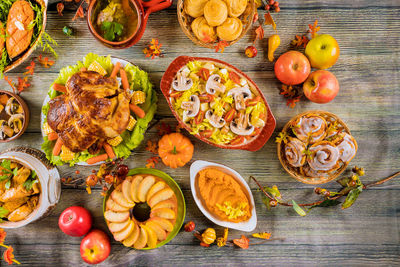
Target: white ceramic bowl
x=246 y=226
x=49 y=182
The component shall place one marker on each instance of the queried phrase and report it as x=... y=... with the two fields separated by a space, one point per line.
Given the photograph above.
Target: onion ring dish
x=315 y=147
x=97 y=110
x=22 y=23
x=146 y=210
x=217 y=103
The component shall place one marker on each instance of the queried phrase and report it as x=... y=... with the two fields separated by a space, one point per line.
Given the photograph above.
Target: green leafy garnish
x=298 y=209
x=8 y=184
x=3 y=213
x=6 y=170
x=46 y=42
x=28 y=184
x=111 y=29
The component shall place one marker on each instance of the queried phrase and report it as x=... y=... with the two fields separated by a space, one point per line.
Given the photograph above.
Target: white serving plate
x=47 y=99
x=246 y=226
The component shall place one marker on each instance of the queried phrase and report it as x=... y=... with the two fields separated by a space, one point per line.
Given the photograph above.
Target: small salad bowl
x=140 y=11
x=246 y=226
x=25 y=114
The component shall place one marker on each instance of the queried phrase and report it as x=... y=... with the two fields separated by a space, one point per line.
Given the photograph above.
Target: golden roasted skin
x=93 y=109
x=19 y=35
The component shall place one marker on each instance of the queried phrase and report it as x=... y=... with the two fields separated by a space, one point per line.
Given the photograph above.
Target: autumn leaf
x=22 y=84
x=79 y=13
x=298 y=209
x=3 y=235
x=221 y=46
x=292 y=102
x=151 y=162
x=60 y=8
x=163 y=129
x=30 y=68
x=221 y=241
x=8 y=255
x=45 y=61
x=259 y=34
x=268 y=20
x=178 y=128
x=314 y=28
x=242 y=242
x=282 y=137
x=207 y=38
x=153 y=49
x=10 y=82
x=287 y=91
x=151 y=147
x=300 y=41
x=263 y=235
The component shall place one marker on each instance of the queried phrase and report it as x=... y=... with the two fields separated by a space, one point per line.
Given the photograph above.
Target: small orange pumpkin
x=175 y=150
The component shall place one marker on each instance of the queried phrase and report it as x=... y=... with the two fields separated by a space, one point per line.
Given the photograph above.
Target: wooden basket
x=294 y=171
x=185 y=21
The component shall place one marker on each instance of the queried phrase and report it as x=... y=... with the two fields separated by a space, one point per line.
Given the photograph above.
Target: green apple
x=322 y=51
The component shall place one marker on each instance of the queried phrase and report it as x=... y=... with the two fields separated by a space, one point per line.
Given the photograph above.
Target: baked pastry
x=307 y=171
x=203 y=31
x=215 y=12
x=92 y=110
x=310 y=128
x=347 y=146
x=230 y=29
x=236 y=7
x=294 y=152
x=194 y=8
x=141 y=212
x=323 y=157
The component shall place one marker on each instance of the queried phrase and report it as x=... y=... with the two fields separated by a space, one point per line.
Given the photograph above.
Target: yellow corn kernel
x=138 y=97
x=131 y=124
x=95 y=66
x=115 y=141
x=47 y=129
x=66 y=154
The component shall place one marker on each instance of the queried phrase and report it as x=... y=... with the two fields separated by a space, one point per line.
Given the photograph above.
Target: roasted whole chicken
x=93 y=109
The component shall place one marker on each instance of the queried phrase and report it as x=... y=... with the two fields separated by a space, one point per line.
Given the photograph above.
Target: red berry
x=271 y=2
x=267 y=7
x=189 y=227
x=122 y=170
x=276 y=4
x=352 y=183
x=317 y=190
x=109 y=179
x=277 y=9
x=92 y=180
x=251 y=51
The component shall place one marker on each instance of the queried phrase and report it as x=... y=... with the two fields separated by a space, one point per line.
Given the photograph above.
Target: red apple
x=321 y=86
x=292 y=68
x=95 y=247
x=75 y=221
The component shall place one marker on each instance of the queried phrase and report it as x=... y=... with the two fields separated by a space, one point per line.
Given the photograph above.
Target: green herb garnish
x=6 y=170
x=111 y=29
x=3 y=213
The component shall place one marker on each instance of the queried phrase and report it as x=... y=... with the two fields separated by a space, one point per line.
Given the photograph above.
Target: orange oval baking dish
x=259 y=138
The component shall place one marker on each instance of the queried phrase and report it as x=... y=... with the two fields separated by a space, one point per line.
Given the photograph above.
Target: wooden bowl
x=26 y=114
x=185 y=21
x=21 y=58
x=295 y=172
x=166 y=84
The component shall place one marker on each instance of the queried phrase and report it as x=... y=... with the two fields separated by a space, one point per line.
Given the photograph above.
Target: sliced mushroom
x=241 y=125
x=15 y=122
x=214 y=119
x=214 y=84
x=240 y=94
x=12 y=106
x=182 y=82
x=192 y=107
x=5 y=130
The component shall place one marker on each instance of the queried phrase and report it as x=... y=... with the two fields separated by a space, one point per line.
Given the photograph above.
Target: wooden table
x=369 y=102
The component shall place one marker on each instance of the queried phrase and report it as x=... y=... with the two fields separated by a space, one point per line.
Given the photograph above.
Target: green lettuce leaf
x=138 y=80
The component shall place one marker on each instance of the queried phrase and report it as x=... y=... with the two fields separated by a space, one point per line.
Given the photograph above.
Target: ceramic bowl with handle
x=143 y=10
x=49 y=182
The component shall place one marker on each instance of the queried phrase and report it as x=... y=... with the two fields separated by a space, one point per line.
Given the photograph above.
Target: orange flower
x=242 y=242
x=9 y=256
x=287 y=91
x=3 y=235
x=153 y=49
x=292 y=102
x=314 y=28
